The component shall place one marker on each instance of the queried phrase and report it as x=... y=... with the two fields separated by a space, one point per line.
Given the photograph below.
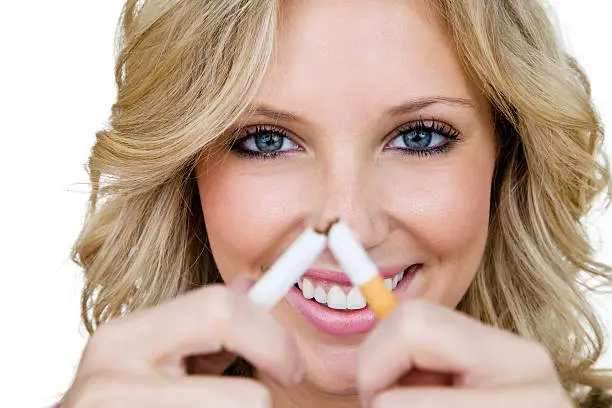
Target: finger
x=241 y=284
x=426 y=336
x=218 y=362
x=187 y=392
x=524 y=397
x=204 y=321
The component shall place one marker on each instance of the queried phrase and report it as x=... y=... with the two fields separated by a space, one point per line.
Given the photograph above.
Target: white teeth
x=320 y=295
x=336 y=299
x=355 y=299
x=307 y=289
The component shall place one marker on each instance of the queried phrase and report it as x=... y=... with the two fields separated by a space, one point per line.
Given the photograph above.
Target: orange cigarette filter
x=380 y=299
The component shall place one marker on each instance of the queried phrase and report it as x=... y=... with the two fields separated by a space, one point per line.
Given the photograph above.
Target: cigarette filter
x=360 y=269
x=288 y=268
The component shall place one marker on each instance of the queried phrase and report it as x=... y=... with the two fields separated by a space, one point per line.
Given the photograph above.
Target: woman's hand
x=425 y=355
x=138 y=361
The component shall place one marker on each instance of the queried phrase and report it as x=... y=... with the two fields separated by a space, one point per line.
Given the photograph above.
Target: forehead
x=345 y=58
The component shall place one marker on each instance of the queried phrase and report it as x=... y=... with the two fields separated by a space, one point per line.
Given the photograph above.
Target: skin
x=404 y=209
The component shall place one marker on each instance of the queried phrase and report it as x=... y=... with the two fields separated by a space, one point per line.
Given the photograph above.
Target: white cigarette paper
x=288 y=268
x=350 y=254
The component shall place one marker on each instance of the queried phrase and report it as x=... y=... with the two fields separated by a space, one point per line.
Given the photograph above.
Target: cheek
x=445 y=209
x=452 y=209
x=246 y=212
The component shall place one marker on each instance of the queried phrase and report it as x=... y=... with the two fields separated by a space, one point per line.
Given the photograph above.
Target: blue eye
x=264 y=143
x=415 y=139
x=424 y=139
x=418 y=139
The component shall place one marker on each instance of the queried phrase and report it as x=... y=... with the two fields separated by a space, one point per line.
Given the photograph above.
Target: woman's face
x=365 y=115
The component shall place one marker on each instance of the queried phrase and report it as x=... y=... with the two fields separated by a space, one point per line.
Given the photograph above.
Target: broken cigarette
x=349 y=253
x=360 y=269
x=288 y=269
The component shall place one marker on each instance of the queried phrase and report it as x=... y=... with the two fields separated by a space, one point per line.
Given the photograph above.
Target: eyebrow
x=410 y=106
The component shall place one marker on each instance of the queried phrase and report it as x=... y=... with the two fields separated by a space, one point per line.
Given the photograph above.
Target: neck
x=305 y=395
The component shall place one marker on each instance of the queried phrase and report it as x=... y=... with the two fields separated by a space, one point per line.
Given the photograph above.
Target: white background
x=57 y=89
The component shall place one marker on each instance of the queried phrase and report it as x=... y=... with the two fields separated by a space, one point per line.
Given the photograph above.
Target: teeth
x=336 y=299
x=320 y=295
x=355 y=299
x=307 y=289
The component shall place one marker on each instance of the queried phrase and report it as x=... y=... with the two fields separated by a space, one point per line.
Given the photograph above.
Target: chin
x=332 y=371
x=333 y=386
x=330 y=360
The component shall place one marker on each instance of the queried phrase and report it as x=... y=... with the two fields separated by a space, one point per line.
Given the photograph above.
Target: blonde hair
x=187 y=70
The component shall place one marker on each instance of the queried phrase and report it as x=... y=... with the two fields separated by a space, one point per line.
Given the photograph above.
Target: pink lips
x=341 y=279
x=342 y=322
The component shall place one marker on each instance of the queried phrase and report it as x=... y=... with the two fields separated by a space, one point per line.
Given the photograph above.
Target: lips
x=340 y=295
x=341 y=278
x=328 y=301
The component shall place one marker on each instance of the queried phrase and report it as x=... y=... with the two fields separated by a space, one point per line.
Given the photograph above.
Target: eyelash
x=446 y=131
x=250 y=154
x=451 y=135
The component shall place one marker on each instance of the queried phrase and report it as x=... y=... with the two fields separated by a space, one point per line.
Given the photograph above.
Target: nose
x=348 y=190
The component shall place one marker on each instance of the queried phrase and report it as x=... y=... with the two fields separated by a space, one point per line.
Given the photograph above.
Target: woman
x=456 y=138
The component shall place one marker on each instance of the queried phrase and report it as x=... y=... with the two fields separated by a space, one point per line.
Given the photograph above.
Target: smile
x=337 y=295
x=332 y=305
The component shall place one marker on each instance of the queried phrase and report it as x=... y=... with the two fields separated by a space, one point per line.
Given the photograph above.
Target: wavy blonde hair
x=185 y=72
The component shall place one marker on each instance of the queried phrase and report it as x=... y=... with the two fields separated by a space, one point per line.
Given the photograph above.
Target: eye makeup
x=424 y=131
x=265 y=142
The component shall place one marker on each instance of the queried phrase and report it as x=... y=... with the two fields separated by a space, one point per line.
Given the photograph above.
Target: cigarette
x=360 y=269
x=288 y=268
